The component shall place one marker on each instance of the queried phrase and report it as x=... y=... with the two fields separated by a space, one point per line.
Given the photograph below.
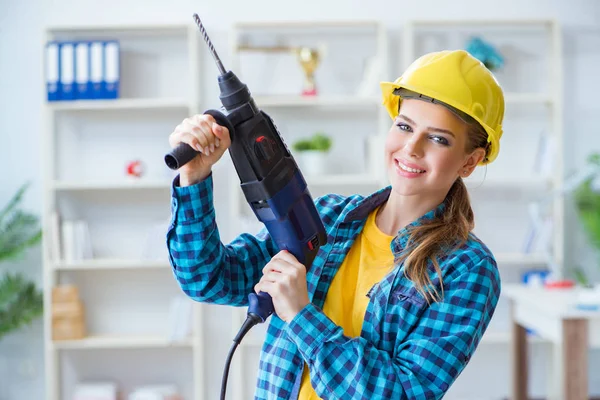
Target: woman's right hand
x=203 y=134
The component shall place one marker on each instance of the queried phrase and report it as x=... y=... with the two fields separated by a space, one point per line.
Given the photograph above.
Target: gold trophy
x=309 y=60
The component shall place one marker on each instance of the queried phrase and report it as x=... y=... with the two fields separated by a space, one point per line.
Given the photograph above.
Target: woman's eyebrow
x=431 y=128
x=440 y=130
x=404 y=117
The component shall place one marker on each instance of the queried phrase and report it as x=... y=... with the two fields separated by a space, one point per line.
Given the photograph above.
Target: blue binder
x=67 y=70
x=52 y=71
x=83 y=84
x=111 y=69
x=97 y=69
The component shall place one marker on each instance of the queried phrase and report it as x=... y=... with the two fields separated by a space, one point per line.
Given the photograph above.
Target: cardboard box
x=72 y=309
x=68 y=329
x=67 y=313
x=65 y=294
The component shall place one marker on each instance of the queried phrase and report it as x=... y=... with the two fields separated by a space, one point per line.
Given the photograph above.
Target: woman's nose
x=414 y=146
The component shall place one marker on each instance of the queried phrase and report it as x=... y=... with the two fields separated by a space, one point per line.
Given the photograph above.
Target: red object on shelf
x=562 y=284
x=135 y=168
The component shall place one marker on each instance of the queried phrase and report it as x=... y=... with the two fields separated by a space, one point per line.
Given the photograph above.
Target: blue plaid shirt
x=408 y=349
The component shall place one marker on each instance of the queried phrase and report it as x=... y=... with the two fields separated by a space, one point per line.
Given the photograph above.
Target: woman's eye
x=403 y=127
x=441 y=140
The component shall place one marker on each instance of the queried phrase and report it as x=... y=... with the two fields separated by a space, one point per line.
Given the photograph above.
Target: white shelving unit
x=349 y=117
x=126 y=290
x=501 y=193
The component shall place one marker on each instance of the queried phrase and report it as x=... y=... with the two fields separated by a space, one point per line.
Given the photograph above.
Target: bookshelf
x=503 y=192
x=126 y=286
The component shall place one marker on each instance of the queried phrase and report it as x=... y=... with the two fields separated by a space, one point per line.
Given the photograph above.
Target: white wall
x=22 y=92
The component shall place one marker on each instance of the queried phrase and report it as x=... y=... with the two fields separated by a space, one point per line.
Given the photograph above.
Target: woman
x=396 y=302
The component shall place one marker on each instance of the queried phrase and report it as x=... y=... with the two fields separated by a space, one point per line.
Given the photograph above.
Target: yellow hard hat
x=459 y=80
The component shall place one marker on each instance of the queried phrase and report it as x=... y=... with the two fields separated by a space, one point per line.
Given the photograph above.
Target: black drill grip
x=184 y=153
x=180 y=155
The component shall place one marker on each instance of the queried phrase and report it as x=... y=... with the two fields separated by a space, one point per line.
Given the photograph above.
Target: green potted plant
x=311 y=153
x=587 y=204
x=20 y=300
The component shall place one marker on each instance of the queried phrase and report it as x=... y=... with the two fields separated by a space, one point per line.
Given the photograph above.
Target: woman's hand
x=284 y=278
x=204 y=135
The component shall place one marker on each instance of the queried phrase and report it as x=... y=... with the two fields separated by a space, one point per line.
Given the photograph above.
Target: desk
x=552 y=314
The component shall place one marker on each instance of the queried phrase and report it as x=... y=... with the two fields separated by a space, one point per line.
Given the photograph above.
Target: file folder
x=67 y=71
x=97 y=69
x=83 y=84
x=111 y=69
x=52 y=71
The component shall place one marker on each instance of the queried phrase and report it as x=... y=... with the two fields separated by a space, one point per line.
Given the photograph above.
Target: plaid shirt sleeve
x=423 y=366
x=205 y=268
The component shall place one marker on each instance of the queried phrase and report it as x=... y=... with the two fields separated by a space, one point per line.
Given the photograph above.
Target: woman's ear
x=471 y=162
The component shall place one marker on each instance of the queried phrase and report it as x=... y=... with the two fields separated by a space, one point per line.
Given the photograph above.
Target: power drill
x=270 y=179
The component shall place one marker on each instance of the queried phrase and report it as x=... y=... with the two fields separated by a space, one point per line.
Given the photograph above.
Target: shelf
x=520 y=258
x=119 y=342
x=499 y=337
x=145 y=30
x=342 y=179
x=111 y=264
x=307 y=24
x=485 y=22
x=527 y=98
x=120 y=104
x=316 y=101
x=125 y=185
x=529 y=184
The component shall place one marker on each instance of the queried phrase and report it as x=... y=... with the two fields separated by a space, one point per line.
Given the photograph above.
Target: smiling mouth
x=408 y=169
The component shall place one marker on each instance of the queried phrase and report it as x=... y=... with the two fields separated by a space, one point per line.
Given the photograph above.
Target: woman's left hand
x=284 y=278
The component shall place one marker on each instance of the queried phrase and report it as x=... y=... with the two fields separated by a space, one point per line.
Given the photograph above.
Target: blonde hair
x=444 y=232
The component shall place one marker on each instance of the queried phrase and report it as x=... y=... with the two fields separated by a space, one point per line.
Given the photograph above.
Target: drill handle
x=222 y=120
x=184 y=153
x=260 y=305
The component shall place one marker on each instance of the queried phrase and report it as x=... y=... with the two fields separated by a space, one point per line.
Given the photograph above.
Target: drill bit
x=210 y=45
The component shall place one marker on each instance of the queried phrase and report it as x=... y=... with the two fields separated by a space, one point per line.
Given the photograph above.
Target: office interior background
x=98 y=184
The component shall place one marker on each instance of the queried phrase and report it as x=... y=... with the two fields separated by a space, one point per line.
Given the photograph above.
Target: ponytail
x=427 y=241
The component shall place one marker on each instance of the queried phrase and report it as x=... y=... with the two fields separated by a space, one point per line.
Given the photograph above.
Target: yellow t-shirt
x=367 y=262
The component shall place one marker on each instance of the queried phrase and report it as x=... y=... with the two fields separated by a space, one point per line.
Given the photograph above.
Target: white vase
x=374 y=155
x=312 y=162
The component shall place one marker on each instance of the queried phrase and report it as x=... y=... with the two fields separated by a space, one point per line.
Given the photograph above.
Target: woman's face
x=425 y=150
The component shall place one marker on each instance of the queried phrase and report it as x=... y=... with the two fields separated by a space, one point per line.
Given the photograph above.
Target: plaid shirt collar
x=364 y=206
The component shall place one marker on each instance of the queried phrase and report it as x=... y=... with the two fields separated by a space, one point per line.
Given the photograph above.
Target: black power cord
x=251 y=320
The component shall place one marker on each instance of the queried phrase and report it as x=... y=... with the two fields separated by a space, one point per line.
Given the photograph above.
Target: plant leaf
x=20 y=303
x=14 y=202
